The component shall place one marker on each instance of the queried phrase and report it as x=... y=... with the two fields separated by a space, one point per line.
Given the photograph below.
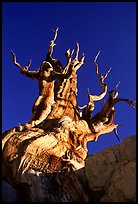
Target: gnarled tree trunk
x=54 y=141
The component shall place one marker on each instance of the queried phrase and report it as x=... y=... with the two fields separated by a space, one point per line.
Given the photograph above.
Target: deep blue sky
x=109 y=27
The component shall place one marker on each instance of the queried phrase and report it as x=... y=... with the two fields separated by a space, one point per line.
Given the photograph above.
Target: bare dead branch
x=97 y=71
x=113 y=100
x=72 y=52
x=89 y=96
x=55 y=33
x=96 y=56
x=130 y=102
x=87 y=109
x=111 y=121
x=106 y=73
x=97 y=67
x=15 y=62
x=29 y=64
x=31 y=74
x=19 y=65
x=116 y=133
x=81 y=107
x=102 y=122
x=82 y=59
x=57 y=65
x=103 y=125
x=77 y=51
x=68 y=55
x=80 y=62
x=76 y=61
x=52 y=42
x=116 y=88
x=103 y=85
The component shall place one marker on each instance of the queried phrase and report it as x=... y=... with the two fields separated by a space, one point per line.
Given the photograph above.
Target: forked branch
x=86 y=114
x=97 y=70
x=17 y=64
x=101 y=77
x=77 y=63
x=24 y=70
x=116 y=88
x=68 y=55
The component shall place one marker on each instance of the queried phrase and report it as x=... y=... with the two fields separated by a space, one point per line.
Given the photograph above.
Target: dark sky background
x=109 y=27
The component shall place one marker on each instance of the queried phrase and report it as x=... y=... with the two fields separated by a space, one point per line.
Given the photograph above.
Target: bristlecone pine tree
x=54 y=141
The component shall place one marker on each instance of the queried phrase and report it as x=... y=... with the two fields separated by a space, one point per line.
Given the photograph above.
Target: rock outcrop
x=107 y=176
x=111 y=173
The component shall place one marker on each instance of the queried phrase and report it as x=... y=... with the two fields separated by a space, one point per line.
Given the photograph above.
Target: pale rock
x=111 y=173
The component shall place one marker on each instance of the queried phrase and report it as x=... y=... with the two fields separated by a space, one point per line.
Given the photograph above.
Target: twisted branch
x=19 y=65
x=52 y=42
x=24 y=70
x=103 y=85
x=86 y=114
x=76 y=62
